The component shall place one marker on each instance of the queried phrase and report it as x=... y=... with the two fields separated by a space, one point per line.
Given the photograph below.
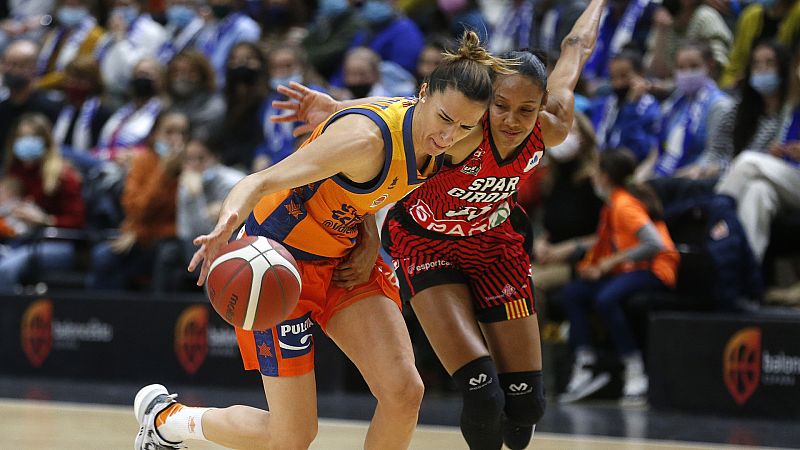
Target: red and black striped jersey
x=477 y=194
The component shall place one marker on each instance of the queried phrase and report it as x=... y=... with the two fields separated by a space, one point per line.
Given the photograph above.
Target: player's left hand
x=357 y=267
x=210 y=244
x=304 y=105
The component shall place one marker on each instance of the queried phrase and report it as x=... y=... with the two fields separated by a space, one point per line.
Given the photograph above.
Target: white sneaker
x=636 y=384
x=149 y=401
x=583 y=384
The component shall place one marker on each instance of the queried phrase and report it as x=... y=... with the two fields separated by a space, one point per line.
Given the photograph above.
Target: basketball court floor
x=38 y=425
x=73 y=415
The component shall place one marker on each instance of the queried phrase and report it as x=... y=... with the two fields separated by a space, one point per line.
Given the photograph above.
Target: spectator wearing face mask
x=755 y=123
x=192 y=87
x=681 y=20
x=228 y=27
x=287 y=64
x=763 y=20
x=365 y=75
x=134 y=35
x=51 y=193
x=20 y=94
x=202 y=186
x=629 y=116
x=241 y=131
x=149 y=204
x=183 y=27
x=692 y=117
x=77 y=129
x=131 y=124
x=76 y=33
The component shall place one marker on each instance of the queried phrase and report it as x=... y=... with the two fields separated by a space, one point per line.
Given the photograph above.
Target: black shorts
x=496 y=265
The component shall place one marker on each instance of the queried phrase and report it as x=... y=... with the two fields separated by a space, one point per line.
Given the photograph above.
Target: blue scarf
x=612 y=37
x=687 y=114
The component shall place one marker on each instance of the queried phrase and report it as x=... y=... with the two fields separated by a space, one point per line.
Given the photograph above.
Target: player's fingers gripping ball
x=254 y=283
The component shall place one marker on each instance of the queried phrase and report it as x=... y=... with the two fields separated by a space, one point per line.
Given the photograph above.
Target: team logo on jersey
x=294 y=336
x=471 y=170
x=393 y=183
x=344 y=220
x=294 y=209
x=379 y=200
x=500 y=215
x=534 y=161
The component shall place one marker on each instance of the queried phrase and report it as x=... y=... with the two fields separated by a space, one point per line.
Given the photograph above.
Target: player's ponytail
x=467 y=69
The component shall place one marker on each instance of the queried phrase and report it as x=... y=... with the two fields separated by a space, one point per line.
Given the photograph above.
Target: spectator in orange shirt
x=633 y=253
x=149 y=205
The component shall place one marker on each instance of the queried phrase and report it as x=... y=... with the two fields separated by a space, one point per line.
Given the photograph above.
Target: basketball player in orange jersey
x=319 y=202
x=460 y=243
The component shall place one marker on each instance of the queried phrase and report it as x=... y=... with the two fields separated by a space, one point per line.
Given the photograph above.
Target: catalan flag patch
x=517 y=309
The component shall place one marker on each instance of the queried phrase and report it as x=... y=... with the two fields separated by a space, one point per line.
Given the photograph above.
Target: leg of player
x=447 y=317
x=516 y=348
x=372 y=333
x=291 y=422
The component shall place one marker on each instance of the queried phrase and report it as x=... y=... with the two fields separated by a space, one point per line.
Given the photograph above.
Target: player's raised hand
x=304 y=105
x=210 y=244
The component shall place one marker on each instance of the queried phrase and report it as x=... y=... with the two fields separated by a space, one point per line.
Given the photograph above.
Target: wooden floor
x=27 y=425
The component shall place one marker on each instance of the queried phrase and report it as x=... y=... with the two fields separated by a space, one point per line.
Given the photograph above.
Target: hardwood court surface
x=30 y=425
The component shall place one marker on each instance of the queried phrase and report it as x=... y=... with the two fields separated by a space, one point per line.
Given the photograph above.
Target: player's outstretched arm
x=576 y=48
x=310 y=106
x=352 y=146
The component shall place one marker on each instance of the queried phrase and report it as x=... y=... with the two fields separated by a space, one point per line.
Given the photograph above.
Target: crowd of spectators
x=133 y=119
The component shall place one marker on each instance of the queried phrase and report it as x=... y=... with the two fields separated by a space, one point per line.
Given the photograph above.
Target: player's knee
x=402 y=391
x=524 y=393
x=295 y=436
x=480 y=390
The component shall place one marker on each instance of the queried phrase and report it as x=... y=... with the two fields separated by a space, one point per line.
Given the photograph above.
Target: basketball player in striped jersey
x=460 y=243
x=319 y=202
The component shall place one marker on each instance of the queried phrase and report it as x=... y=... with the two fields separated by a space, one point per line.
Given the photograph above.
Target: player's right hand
x=304 y=105
x=210 y=244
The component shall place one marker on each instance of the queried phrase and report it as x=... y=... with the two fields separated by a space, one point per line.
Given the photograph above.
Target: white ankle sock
x=179 y=423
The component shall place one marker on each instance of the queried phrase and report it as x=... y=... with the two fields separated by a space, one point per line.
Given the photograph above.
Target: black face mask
x=221 y=11
x=15 y=82
x=622 y=93
x=242 y=75
x=359 y=90
x=142 y=87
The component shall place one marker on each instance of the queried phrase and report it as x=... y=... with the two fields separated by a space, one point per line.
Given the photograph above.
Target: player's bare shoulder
x=366 y=150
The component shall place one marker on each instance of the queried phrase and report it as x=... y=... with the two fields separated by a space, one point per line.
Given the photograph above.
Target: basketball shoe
x=149 y=401
x=584 y=381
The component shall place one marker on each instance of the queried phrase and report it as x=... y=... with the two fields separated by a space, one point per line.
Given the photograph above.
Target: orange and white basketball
x=254 y=283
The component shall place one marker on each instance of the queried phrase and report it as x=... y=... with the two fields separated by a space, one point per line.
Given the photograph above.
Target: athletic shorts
x=288 y=348
x=496 y=265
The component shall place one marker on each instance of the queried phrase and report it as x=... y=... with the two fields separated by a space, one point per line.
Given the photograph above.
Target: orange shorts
x=288 y=348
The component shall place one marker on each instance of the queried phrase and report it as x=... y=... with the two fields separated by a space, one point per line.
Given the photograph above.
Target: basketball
x=254 y=283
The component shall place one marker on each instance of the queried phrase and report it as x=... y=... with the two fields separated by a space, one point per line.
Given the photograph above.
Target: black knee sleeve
x=524 y=393
x=525 y=404
x=483 y=404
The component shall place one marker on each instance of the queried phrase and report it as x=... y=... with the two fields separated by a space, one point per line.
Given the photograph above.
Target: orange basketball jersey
x=320 y=220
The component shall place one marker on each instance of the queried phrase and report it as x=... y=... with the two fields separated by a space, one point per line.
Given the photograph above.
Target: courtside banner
x=728 y=364
x=113 y=337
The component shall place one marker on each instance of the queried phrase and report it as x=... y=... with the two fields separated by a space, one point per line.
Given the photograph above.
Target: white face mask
x=567 y=150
